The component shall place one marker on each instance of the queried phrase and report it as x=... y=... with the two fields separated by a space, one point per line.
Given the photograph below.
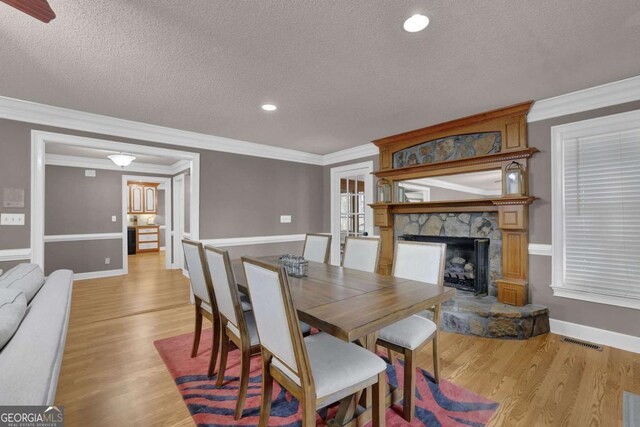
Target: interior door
x=352 y=193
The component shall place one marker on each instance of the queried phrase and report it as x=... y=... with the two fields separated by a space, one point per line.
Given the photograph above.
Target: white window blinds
x=601 y=221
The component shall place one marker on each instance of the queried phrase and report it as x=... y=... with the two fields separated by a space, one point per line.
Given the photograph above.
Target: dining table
x=354 y=306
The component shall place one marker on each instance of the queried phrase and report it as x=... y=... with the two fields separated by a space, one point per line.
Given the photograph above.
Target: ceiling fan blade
x=39 y=9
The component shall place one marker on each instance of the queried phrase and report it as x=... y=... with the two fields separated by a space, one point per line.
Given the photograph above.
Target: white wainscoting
x=15 y=254
x=599 y=336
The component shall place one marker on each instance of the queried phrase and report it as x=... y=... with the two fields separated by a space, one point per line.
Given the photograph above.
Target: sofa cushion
x=13 y=305
x=28 y=277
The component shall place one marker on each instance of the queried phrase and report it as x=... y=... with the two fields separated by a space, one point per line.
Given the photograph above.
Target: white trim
x=257 y=240
x=592 y=127
x=164 y=249
x=598 y=336
x=365 y=150
x=178 y=187
x=81 y=237
x=15 y=254
x=362 y=168
x=540 y=249
x=600 y=298
x=606 y=95
x=99 y=274
x=31 y=112
x=105 y=164
x=38 y=141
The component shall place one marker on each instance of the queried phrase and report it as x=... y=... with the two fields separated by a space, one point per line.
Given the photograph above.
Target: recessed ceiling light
x=269 y=107
x=416 y=23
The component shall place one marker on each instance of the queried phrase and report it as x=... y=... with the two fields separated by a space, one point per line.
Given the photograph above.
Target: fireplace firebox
x=467 y=262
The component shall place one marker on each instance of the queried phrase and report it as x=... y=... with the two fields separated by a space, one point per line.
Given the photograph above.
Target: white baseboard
x=599 y=336
x=185 y=273
x=163 y=248
x=99 y=274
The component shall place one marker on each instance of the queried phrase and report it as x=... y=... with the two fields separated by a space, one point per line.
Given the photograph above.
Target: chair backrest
x=361 y=253
x=420 y=261
x=276 y=318
x=198 y=275
x=225 y=288
x=316 y=247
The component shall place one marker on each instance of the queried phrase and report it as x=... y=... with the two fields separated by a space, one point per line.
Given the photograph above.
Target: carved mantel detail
x=513 y=211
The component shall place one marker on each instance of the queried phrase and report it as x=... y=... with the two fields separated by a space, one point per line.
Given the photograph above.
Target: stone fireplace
x=474 y=246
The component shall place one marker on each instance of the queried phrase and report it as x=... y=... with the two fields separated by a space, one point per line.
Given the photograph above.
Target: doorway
x=351 y=195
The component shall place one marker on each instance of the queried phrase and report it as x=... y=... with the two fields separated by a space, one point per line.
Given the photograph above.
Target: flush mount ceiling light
x=121 y=159
x=416 y=23
x=269 y=107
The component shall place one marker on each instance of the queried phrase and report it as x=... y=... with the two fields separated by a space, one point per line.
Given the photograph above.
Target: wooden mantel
x=513 y=211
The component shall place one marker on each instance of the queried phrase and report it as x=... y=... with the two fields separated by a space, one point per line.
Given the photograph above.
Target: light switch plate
x=90 y=173
x=113 y=218
x=285 y=219
x=107 y=260
x=12 y=219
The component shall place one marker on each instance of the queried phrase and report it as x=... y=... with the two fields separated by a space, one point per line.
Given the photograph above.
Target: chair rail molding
x=82 y=237
x=256 y=240
x=540 y=249
x=599 y=336
x=15 y=254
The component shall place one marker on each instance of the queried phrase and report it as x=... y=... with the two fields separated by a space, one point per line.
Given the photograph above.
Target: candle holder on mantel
x=384 y=191
x=514 y=179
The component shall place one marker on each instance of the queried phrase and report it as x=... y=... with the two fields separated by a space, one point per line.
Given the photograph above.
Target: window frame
x=559 y=134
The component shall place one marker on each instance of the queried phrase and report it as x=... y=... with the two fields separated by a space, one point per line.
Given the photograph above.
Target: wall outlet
x=90 y=173
x=285 y=219
x=12 y=219
x=107 y=260
x=114 y=218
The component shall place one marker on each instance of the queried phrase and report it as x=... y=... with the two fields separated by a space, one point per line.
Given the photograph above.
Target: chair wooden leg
x=267 y=389
x=224 y=351
x=215 y=346
x=409 y=398
x=379 y=406
x=436 y=359
x=308 y=411
x=390 y=356
x=196 y=335
x=244 y=381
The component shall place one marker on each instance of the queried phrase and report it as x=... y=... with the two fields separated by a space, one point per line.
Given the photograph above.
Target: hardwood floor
x=112 y=375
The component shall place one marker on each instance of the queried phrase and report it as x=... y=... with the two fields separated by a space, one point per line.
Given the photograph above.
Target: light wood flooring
x=112 y=375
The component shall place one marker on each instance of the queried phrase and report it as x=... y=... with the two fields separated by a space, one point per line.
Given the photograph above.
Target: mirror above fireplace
x=463 y=186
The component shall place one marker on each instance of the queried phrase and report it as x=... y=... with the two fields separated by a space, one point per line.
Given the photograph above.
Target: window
x=596 y=210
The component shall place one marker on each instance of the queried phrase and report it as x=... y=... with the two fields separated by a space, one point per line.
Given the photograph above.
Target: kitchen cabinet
x=143 y=198
x=147 y=238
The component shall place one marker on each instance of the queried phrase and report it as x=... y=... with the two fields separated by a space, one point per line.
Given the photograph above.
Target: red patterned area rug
x=436 y=405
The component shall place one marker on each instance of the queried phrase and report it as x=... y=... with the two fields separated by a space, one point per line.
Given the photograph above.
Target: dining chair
x=361 y=253
x=236 y=324
x=205 y=302
x=316 y=247
x=318 y=370
x=423 y=262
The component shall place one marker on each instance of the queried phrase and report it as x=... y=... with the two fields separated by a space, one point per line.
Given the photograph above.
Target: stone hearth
x=486 y=317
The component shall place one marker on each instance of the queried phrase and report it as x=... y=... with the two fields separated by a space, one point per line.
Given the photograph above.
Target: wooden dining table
x=354 y=305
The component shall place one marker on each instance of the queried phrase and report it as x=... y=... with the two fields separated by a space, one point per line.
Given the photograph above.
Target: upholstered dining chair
x=422 y=262
x=319 y=369
x=236 y=325
x=316 y=247
x=361 y=253
x=205 y=303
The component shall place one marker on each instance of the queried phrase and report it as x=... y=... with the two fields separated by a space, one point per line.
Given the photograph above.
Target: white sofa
x=30 y=361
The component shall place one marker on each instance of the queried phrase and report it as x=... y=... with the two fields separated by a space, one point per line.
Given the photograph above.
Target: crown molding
x=365 y=150
x=32 y=112
x=606 y=95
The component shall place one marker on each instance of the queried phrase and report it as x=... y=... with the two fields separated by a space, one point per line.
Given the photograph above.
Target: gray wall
x=240 y=196
x=612 y=318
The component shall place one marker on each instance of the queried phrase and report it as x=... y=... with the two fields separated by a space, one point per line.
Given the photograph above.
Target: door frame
x=165 y=183
x=362 y=168
x=177 y=229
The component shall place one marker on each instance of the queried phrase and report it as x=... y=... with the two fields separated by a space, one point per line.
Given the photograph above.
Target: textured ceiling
x=341 y=72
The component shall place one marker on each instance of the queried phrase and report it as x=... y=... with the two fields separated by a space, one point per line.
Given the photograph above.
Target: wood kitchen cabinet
x=143 y=198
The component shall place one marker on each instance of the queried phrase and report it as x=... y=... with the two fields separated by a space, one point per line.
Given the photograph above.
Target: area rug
x=436 y=405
